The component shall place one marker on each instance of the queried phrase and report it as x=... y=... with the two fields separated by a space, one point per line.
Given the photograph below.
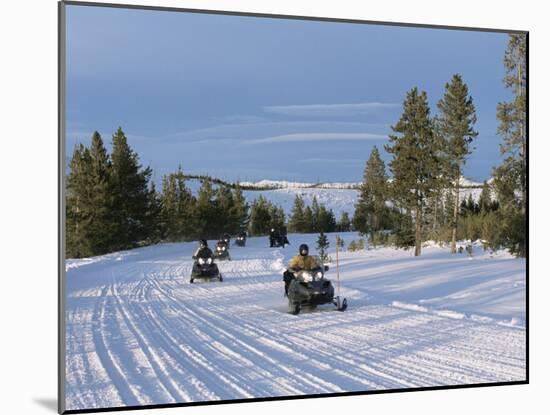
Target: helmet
x=203 y=243
x=304 y=250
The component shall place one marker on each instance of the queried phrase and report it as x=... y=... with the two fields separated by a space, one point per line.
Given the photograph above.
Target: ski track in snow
x=139 y=333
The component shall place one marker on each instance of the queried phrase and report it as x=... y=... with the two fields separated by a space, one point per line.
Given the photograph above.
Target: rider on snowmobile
x=203 y=251
x=303 y=261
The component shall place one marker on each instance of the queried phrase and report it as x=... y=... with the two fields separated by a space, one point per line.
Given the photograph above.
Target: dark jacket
x=202 y=253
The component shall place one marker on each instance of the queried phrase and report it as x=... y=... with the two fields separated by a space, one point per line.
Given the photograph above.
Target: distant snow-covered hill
x=339 y=196
x=338 y=199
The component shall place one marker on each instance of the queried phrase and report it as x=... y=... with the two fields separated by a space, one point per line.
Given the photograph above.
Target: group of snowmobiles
x=204 y=266
x=305 y=282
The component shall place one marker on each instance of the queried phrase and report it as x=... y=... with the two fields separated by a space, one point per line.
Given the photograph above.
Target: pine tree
x=415 y=164
x=449 y=208
x=322 y=247
x=224 y=206
x=77 y=214
x=511 y=176
x=206 y=213
x=512 y=115
x=177 y=208
x=99 y=204
x=169 y=209
x=89 y=201
x=370 y=210
x=455 y=123
x=344 y=224
x=471 y=206
x=315 y=213
x=326 y=221
x=277 y=216
x=130 y=194
x=485 y=202
x=239 y=215
x=185 y=206
x=260 y=218
x=307 y=226
x=154 y=216
x=296 y=221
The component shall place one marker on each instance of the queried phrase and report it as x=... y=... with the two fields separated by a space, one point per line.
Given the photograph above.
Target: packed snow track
x=139 y=333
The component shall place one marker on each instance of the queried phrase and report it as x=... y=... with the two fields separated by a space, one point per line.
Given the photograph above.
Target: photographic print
x=266 y=207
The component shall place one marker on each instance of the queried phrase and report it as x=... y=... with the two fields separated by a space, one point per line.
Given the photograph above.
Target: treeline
x=112 y=204
x=315 y=218
x=264 y=216
x=422 y=201
x=232 y=185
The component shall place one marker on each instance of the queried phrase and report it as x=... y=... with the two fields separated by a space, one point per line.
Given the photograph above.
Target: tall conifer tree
x=455 y=124
x=415 y=164
x=130 y=194
x=370 y=210
x=511 y=176
x=77 y=213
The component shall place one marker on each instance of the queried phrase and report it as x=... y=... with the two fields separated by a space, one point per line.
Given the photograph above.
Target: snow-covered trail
x=138 y=333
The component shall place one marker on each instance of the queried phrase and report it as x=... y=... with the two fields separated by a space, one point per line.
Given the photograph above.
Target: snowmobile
x=241 y=239
x=222 y=250
x=205 y=268
x=310 y=288
x=277 y=239
x=226 y=238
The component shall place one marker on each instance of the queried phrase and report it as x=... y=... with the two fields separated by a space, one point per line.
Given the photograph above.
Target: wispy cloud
x=301 y=137
x=240 y=119
x=330 y=110
x=251 y=131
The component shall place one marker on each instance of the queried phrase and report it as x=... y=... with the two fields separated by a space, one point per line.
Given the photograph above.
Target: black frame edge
x=285 y=16
x=61 y=44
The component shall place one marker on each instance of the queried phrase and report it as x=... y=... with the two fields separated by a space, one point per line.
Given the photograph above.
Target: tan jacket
x=308 y=262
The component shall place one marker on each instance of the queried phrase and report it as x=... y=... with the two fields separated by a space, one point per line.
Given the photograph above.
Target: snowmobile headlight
x=307 y=276
x=319 y=275
x=209 y=261
x=223 y=248
x=201 y=261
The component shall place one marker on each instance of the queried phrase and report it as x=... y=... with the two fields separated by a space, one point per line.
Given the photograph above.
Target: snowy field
x=138 y=333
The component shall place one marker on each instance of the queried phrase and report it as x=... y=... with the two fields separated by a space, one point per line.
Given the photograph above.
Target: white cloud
x=250 y=131
x=241 y=119
x=330 y=110
x=301 y=137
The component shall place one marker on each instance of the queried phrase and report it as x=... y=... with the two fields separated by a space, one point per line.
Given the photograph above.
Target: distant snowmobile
x=241 y=239
x=310 y=288
x=222 y=251
x=226 y=238
x=278 y=238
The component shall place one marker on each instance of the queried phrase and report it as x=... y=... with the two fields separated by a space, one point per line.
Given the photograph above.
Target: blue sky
x=251 y=98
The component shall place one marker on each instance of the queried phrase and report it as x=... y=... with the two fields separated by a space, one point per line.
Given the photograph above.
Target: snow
x=284 y=184
x=139 y=333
